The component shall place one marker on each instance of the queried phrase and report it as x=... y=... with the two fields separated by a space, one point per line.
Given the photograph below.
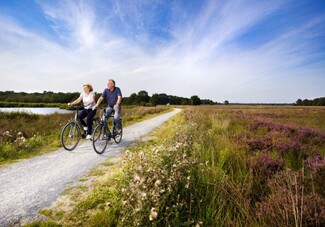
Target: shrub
x=291 y=203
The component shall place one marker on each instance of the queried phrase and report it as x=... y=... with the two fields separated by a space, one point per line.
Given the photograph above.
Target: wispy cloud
x=166 y=47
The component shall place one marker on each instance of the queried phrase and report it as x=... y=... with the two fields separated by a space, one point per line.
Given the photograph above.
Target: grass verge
x=25 y=135
x=213 y=166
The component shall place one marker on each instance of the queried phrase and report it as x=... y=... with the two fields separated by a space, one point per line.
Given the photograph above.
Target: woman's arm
x=78 y=100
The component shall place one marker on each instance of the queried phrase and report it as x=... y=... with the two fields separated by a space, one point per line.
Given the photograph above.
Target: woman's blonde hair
x=89 y=87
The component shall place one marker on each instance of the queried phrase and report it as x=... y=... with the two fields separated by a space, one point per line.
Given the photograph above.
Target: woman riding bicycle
x=88 y=99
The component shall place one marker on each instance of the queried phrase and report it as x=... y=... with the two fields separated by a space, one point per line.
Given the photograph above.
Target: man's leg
x=108 y=113
x=117 y=118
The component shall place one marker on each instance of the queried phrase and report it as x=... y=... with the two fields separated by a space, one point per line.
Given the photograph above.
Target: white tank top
x=86 y=99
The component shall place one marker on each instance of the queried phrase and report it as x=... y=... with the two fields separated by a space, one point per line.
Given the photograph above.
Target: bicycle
x=102 y=134
x=71 y=132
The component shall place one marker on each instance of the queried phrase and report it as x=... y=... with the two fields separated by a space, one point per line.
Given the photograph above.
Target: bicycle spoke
x=117 y=134
x=100 y=139
x=70 y=136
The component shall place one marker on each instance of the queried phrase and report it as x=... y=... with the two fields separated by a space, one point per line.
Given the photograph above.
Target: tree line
x=143 y=98
x=314 y=102
x=140 y=98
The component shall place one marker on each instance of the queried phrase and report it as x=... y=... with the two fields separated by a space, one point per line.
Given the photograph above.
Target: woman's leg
x=81 y=117
x=90 y=117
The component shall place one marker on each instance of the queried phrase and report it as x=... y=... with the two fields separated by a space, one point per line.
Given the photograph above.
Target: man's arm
x=118 y=103
x=99 y=101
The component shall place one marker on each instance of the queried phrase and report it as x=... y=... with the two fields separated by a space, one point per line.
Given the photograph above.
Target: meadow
x=24 y=135
x=212 y=166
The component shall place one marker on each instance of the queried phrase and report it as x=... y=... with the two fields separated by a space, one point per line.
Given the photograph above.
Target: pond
x=36 y=110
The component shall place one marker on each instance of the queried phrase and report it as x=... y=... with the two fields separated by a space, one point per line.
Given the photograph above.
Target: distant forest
x=140 y=98
x=314 y=102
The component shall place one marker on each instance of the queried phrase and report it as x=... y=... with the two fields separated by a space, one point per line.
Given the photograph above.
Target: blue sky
x=242 y=50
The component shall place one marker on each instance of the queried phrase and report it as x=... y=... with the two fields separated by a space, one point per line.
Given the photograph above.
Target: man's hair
x=113 y=81
x=89 y=87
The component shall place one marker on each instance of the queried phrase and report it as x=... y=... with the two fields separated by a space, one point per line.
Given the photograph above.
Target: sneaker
x=88 y=137
x=85 y=128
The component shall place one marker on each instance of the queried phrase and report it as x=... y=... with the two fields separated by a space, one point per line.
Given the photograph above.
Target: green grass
x=22 y=104
x=44 y=224
x=208 y=166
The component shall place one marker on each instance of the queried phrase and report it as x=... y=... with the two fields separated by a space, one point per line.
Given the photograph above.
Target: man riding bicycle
x=113 y=97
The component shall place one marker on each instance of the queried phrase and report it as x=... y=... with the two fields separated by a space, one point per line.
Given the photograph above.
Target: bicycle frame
x=103 y=134
x=105 y=122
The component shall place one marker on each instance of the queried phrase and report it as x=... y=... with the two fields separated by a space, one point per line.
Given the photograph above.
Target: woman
x=88 y=99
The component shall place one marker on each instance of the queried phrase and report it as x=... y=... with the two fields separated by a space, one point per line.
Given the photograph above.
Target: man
x=113 y=97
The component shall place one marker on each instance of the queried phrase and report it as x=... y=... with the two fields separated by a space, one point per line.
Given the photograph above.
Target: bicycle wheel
x=117 y=134
x=70 y=136
x=96 y=121
x=100 y=138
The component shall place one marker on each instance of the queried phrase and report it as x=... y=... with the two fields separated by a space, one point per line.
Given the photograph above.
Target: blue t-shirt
x=111 y=96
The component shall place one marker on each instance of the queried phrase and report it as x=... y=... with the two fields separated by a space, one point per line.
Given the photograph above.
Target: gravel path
x=29 y=185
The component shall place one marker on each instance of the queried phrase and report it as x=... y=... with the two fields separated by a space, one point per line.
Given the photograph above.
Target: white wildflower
x=136 y=178
x=7 y=133
x=157 y=183
x=153 y=214
x=127 y=152
x=143 y=195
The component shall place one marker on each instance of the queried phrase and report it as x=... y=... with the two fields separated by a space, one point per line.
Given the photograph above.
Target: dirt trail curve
x=29 y=185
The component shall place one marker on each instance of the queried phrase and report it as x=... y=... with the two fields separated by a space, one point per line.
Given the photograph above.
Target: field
x=212 y=166
x=25 y=135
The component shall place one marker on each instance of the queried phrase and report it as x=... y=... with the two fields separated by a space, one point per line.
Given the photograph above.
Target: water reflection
x=36 y=110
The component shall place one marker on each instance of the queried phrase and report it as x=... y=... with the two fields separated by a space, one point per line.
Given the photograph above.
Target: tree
x=195 y=100
x=132 y=99
x=163 y=99
x=226 y=102
x=299 y=102
x=315 y=102
x=307 y=102
x=154 y=99
x=143 y=97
